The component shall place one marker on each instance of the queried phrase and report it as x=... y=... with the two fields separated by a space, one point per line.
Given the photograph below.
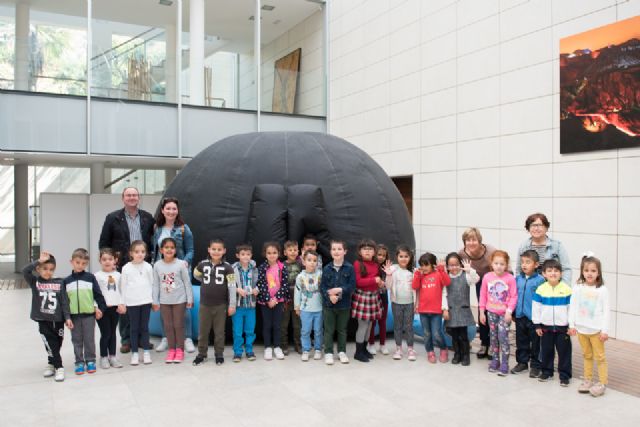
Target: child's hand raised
x=44 y=257
x=387 y=268
x=440 y=265
x=466 y=265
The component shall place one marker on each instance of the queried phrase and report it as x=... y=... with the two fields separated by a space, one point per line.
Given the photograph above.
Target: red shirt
x=429 y=287
x=367 y=282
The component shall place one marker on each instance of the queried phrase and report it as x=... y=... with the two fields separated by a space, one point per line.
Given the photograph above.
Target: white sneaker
x=104 y=363
x=384 y=350
x=317 y=355
x=278 y=352
x=188 y=345
x=59 y=375
x=328 y=359
x=305 y=356
x=398 y=353
x=135 y=359
x=343 y=357
x=164 y=344
x=268 y=353
x=146 y=357
x=371 y=348
x=49 y=371
x=115 y=363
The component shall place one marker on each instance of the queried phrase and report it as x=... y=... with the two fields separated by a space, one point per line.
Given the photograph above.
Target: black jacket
x=49 y=302
x=115 y=234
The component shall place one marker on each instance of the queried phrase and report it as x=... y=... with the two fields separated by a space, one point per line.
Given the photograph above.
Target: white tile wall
x=464 y=95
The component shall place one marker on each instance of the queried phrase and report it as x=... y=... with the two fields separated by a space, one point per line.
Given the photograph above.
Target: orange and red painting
x=600 y=88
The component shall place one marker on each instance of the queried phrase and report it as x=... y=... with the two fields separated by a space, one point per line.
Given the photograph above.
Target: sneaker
x=305 y=356
x=125 y=348
x=483 y=352
x=285 y=350
x=219 y=360
x=317 y=355
x=412 y=355
x=179 y=358
x=431 y=357
x=188 y=345
x=91 y=367
x=59 y=375
x=384 y=350
x=444 y=355
x=493 y=366
x=534 y=373
x=585 y=386
x=135 y=359
x=199 y=360
x=371 y=348
x=520 y=367
x=104 y=363
x=328 y=359
x=268 y=353
x=397 y=355
x=251 y=356
x=237 y=358
x=115 y=363
x=598 y=390
x=278 y=353
x=543 y=378
x=343 y=357
x=49 y=371
x=171 y=355
x=164 y=344
x=146 y=357
x=503 y=372
x=565 y=382
x=79 y=368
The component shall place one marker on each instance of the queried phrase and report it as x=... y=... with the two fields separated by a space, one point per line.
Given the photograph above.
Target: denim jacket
x=344 y=278
x=555 y=250
x=184 y=243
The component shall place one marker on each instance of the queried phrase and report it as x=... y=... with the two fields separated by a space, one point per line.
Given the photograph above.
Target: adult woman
x=170 y=224
x=537 y=225
x=479 y=255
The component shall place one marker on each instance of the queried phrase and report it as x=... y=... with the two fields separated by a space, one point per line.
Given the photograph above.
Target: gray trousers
x=402 y=323
x=83 y=337
x=363 y=331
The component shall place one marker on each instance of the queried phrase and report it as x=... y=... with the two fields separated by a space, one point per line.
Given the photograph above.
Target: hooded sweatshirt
x=49 y=302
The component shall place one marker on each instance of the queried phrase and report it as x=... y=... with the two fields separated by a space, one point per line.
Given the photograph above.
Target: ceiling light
x=268 y=7
x=166 y=2
x=317 y=1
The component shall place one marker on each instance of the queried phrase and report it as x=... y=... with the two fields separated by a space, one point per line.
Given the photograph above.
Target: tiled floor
x=384 y=392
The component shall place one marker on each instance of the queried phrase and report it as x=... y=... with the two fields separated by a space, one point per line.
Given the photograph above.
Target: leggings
x=402 y=323
x=382 y=321
x=173 y=319
x=364 y=328
x=271 y=320
x=499 y=336
x=139 y=321
x=108 y=324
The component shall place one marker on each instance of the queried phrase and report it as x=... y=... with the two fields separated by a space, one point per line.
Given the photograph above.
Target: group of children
x=323 y=299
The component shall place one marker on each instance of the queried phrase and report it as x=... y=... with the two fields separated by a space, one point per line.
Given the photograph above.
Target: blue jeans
x=311 y=320
x=188 y=330
x=244 y=321
x=432 y=325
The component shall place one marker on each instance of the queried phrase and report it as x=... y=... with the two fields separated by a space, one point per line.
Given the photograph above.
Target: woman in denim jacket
x=537 y=225
x=170 y=224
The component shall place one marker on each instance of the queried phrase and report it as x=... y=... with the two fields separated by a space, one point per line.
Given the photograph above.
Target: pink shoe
x=444 y=355
x=171 y=354
x=431 y=357
x=179 y=356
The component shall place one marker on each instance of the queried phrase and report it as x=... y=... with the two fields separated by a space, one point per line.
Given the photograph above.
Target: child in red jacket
x=429 y=280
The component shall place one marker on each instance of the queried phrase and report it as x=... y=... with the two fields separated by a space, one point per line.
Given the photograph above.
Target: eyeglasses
x=537 y=225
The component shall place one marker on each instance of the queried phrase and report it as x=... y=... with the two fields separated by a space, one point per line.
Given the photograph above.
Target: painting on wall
x=286 y=82
x=600 y=88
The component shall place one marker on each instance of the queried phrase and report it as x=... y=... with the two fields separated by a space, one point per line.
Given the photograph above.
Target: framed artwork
x=600 y=88
x=285 y=82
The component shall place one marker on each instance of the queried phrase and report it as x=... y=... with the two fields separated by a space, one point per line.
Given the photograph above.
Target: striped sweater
x=550 y=308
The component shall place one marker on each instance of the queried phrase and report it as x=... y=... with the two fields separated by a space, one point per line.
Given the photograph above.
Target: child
x=403 y=298
x=310 y=243
x=430 y=280
x=294 y=267
x=109 y=281
x=365 y=304
x=217 y=300
x=460 y=315
x=172 y=294
x=273 y=292
x=137 y=289
x=498 y=297
x=50 y=309
x=527 y=341
x=244 y=320
x=308 y=305
x=589 y=318
x=337 y=285
x=382 y=256
x=86 y=304
x=550 y=315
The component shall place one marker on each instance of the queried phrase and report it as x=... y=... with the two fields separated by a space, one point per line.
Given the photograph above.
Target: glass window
x=7 y=46
x=148 y=181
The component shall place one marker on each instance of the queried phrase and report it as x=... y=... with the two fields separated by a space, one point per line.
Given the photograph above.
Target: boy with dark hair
x=50 y=309
x=217 y=300
x=527 y=340
x=86 y=304
x=550 y=315
x=244 y=319
x=310 y=243
x=293 y=265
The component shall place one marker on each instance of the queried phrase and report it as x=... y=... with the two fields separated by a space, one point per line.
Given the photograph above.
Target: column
x=170 y=36
x=97 y=178
x=21 y=67
x=196 y=52
x=21 y=213
x=169 y=175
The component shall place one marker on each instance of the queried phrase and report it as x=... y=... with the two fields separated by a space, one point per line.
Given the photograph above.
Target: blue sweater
x=526 y=289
